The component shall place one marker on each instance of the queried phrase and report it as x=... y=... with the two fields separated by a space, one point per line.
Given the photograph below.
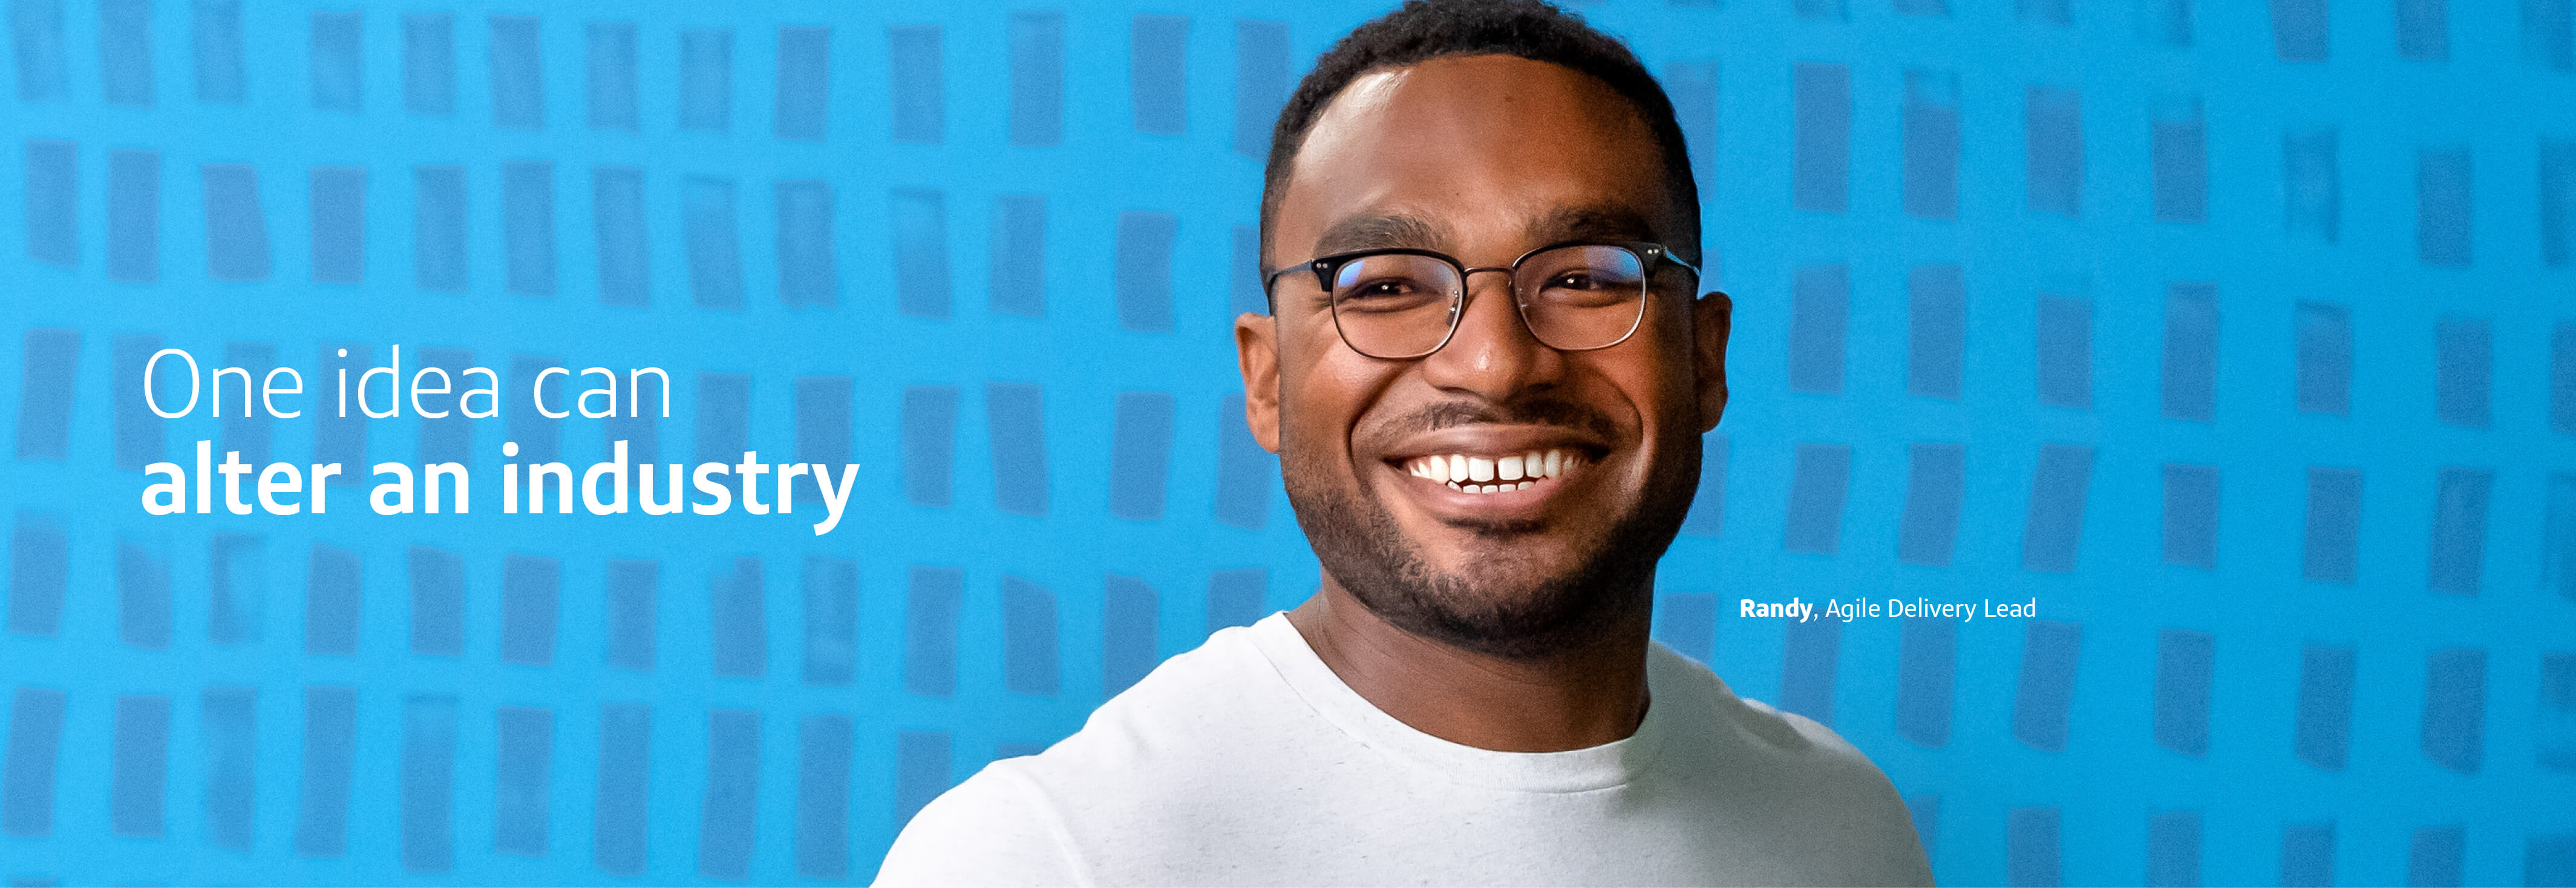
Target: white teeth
x=1476 y=474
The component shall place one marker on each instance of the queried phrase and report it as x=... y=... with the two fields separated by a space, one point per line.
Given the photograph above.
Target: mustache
x=1532 y=411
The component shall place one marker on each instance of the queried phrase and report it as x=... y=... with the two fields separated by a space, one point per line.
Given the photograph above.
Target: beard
x=1507 y=611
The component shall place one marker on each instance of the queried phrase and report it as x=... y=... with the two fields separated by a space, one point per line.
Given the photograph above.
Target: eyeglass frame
x=1325 y=267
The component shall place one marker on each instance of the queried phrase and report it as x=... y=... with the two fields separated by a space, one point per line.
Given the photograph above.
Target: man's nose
x=1492 y=354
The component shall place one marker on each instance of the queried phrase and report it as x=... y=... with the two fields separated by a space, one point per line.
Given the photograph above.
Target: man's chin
x=1518 y=622
x=1520 y=589
x=1511 y=604
x=1505 y=568
x=1505 y=531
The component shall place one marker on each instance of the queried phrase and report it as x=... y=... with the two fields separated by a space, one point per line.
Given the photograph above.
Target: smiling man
x=1486 y=371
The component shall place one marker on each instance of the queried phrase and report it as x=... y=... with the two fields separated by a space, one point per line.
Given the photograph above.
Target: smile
x=1494 y=474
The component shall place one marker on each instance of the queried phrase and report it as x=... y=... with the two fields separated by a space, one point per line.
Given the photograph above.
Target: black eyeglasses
x=1400 y=304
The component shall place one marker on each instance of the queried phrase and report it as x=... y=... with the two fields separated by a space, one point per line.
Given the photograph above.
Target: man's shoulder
x=1719 y=715
x=1141 y=751
x=993 y=829
x=1193 y=712
x=1798 y=773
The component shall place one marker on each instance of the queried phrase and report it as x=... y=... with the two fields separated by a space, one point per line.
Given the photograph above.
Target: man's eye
x=1381 y=288
x=1588 y=280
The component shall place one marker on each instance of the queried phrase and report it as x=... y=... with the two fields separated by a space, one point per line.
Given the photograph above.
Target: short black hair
x=1423 y=30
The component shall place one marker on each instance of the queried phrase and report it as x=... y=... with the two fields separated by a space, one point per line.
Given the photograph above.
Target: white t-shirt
x=1249 y=762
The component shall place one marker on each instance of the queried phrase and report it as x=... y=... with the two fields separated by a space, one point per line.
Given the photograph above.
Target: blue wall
x=2237 y=334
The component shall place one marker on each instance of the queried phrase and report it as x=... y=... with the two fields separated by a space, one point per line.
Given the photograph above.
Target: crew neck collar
x=1574 y=770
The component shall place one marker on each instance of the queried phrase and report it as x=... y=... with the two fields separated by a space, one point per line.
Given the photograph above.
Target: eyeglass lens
x=1402 y=305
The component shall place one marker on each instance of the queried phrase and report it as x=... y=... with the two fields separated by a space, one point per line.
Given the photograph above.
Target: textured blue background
x=2238 y=334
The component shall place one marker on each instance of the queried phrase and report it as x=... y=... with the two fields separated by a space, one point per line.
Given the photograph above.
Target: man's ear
x=1712 y=318
x=1256 y=346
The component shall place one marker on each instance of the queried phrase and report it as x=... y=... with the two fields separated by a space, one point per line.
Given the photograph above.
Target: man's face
x=1484 y=158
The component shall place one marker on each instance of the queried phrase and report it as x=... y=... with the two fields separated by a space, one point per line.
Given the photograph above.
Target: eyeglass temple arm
x=1668 y=255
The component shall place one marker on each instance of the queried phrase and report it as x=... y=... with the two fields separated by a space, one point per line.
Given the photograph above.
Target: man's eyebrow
x=1378 y=233
x=1601 y=222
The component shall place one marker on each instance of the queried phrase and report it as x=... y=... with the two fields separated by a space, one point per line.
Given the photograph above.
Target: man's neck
x=1590 y=694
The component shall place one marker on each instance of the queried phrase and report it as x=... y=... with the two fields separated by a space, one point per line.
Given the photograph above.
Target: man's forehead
x=1407 y=156
x=1369 y=230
